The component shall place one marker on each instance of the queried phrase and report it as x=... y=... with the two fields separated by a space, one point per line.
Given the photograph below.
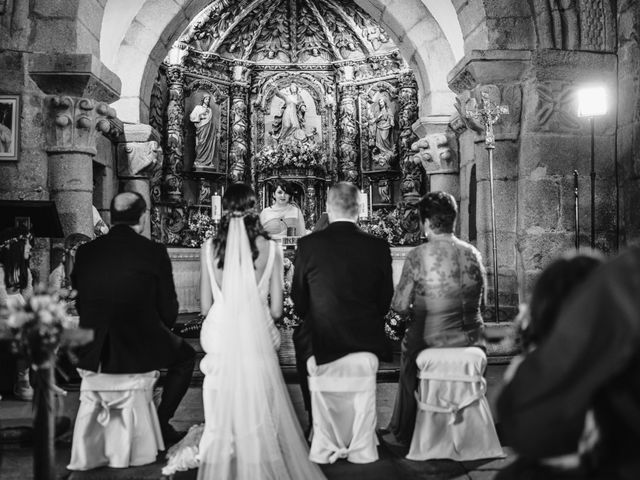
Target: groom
x=127 y=297
x=342 y=287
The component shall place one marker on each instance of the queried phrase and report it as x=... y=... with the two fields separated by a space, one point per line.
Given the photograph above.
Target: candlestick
x=216 y=208
x=364 y=206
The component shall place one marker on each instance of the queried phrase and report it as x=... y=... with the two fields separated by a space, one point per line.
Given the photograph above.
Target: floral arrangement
x=386 y=224
x=201 y=228
x=395 y=325
x=37 y=326
x=291 y=153
x=289 y=318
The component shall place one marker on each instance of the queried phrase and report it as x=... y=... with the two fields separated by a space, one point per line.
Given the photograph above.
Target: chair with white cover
x=117 y=423
x=343 y=403
x=453 y=419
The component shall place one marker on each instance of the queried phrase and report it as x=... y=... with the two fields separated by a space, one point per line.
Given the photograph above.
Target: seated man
x=342 y=287
x=127 y=297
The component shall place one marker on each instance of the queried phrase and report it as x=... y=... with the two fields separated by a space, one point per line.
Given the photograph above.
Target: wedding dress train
x=251 y=431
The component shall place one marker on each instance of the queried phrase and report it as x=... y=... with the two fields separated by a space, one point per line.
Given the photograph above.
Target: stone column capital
x=76 y=75
x=488 y=66
x=138 y=159
x=72 y=123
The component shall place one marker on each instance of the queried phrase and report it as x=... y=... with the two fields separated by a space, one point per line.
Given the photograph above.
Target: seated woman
x=553 y=288
x=441 y=286
x=283 y=214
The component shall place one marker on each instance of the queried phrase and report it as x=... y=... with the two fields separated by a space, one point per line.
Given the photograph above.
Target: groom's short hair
x=127 y=208
x=344 y=199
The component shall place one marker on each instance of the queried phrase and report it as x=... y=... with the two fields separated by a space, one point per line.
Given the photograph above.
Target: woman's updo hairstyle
x=239 y=200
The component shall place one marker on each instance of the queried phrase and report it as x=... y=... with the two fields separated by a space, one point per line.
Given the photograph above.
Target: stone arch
x=423 y=45
x=151 y=32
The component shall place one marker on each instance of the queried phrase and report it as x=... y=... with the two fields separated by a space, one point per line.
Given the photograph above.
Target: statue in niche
x=381 y=135
x=383 y=191
x=206 y=118
x=290 y=121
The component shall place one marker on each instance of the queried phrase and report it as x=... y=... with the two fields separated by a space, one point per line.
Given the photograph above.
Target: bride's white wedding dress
x=251 y=431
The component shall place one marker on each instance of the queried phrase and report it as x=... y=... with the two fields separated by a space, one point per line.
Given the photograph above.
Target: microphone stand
x=576 y=225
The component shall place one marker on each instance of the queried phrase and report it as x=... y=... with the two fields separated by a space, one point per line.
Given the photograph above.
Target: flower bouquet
x=291 y=154
x=201 y=228
x=395 y=325
x=42 y=325
x=38 y=328
x=386 y=224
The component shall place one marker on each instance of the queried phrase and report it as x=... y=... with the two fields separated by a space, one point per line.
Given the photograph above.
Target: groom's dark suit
x=342 y=288
x=126 y=295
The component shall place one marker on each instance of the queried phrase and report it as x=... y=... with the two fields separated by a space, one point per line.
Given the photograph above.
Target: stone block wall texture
x=629 y=118
x=26 y=178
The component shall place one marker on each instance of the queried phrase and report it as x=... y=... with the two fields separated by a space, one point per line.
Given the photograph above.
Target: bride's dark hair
x=239 y=200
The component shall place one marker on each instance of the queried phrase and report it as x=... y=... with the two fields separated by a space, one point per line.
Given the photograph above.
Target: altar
x=186 y=274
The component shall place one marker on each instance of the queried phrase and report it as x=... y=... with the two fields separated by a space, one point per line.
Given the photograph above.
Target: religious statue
x=381 y=123
x=205 y=118
x=383 y=191
x=291 y=117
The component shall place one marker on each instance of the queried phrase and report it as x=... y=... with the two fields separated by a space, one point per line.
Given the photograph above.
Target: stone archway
x=151 y=32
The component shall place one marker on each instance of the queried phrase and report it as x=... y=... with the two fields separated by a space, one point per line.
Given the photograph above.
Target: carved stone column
x=77 y=89
x=348 y=169
x=72 y=125
x=139 y=157
x=239 y=124
x=499 y=74
x=173 y=168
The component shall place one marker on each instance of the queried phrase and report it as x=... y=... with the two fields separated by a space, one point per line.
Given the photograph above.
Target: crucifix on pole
x=488 y=113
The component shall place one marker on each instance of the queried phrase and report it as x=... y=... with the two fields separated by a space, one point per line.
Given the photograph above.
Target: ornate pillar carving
x=348 y=134
x=436 y=150
x=71 y=127
x=173 y=168
x=411 y=183
x=139 y=159
x=239 y=124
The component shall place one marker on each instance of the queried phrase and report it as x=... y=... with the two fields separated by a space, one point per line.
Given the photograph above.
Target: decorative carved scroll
x=556 y=106
x=74 y=123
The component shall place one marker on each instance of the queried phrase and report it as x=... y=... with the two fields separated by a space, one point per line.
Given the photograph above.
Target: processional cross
x=488 y=114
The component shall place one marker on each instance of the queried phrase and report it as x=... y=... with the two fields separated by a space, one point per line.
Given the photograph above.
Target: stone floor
x=16 y=462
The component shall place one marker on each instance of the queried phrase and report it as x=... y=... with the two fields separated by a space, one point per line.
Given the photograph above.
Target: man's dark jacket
x=342 y=288
x=127 y=296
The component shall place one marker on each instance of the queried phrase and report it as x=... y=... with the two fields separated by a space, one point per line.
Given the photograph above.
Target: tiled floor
x=16 y=463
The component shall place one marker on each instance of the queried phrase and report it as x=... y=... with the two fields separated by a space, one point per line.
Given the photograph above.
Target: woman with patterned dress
x=441 y=287
x=251 y=431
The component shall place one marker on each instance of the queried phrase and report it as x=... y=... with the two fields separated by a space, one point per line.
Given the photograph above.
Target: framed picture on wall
x=9 y=124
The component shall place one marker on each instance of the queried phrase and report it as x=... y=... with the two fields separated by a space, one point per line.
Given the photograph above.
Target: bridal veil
x=251 y=431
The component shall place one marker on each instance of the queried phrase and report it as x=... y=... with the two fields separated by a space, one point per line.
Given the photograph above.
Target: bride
x=251 y=431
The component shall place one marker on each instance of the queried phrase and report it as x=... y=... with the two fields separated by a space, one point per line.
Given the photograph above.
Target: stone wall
x=629 y=118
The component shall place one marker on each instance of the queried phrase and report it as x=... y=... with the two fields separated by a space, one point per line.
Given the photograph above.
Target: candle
x=364 y=206
x=216 y=208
